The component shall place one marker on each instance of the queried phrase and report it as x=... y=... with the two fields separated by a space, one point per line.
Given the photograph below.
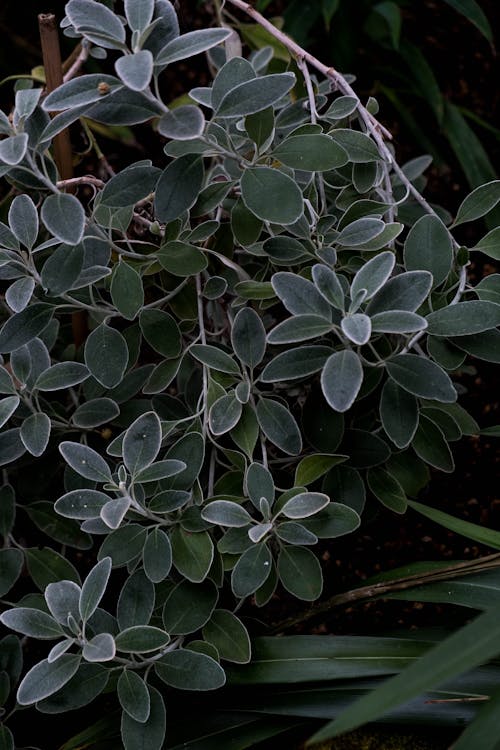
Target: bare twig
x=79 y=61
x=52 y=65
x=364 y=593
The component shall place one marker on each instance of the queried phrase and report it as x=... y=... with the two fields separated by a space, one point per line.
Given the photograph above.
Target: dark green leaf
x=189 y=606
x=35 y=433
x=44 y=679
x=24 y=326
x=133 y=695
x=161 y=332
x=422 y=377
x=341 y=379
x=126 y=290
x=145 y=734
x=429 y=247
x=251 y=570
x=106 y=355
x=188 y=670
x=85 y=461
x=430 y=445
x=157 y=555
x=248 y=337
x=178 y=187
x=312 y=153
x=474 y=316
x=279 y=426
x=230 y=637
x=255 y=95
x=271 y=195
x=296 y=363
x=398 y=414
x=300 y=572
x=192 y=553
x=64 y=217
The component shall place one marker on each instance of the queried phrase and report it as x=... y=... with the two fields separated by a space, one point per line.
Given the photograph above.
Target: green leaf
x=47 y=566
x=157 y=555
x=404 y=292
x=23 y=220
x=253 y=96
x=387 y=489
x=85 y=461
x=373 y=274
x=224 y=414
x=474 y=13
x=300 y=296
x=99 y=648
x=397 y=321
x=341 y=379
x=398 y=414
x=260 y=126
x=95 y=412
x=61 y=375
x=215 y=358
x=248 y=337
x=19 y=293
x=312 y=467
x=131 y=185
x=189 y=606
x=299 y=328
x=465 y=318
x=93 y=588
x=360 y=232
x=189 y=670
x=312 y=153
x=141 y=443
x=279 y=426
x=300 y=573
x=489 y=288
x=135 y=70
x=178 y=187
x=473 y=531
x=430 y=445
x=44 y=679
x=7 y=408
x=226 y=513
x=24 y=326
x=133 y=695
x=328 y=285
x=271 y=195
x=81 y=504
x=482 y=345
x=35 y=433
x=12 y=561
x=246 y=433
x=246 y=228
x=490 y=244
x=251 y=570
x=161 y=332
x=295 y=363
x=126 y=290
x=468 y=647
x=181 y=259
x=64 y=217
x=192 y=553
x=229 y=636
x=304 y=504
x=182 y=123
x=96 y=20
x=137 y=598
x=429 y=246
x=141 y=639
x=421 y=377
x=190 y=44
x=62 y=269
x=106 y=355
x=483 y=730
x=357 y=328
x=13 y=149
x=145 y=734
x=359 y=146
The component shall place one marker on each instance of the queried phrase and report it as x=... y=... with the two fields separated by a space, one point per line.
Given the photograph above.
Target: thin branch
x=329 y=72
x=376 y=590
x=79 y=61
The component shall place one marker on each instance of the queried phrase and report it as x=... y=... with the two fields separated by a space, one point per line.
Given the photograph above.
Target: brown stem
x=376 y=590
x=52 y=64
